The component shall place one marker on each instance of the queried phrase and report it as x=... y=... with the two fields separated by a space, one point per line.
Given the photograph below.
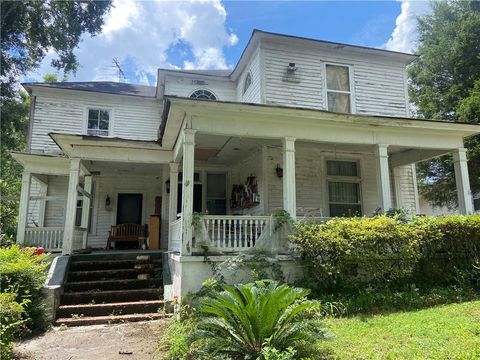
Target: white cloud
x=141 y=34
x=404 y=36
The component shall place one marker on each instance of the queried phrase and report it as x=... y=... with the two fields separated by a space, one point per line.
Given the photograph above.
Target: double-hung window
x=339 y=95
x=98 y=122
x=343 y=179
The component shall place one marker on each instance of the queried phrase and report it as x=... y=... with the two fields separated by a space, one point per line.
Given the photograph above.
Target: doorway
x=129 y=211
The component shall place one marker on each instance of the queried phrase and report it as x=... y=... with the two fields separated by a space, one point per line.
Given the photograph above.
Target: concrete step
x=121 y=308
x=111 y=296
x=111 y=264
x=110 y=319
x=105 y=285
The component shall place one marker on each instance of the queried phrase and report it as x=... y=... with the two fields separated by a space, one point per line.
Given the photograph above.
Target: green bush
x=349 y=253
x=243 y=319
x=23 y=273
x=11 y=322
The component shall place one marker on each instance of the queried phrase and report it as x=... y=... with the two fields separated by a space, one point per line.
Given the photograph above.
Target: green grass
x=444 y=332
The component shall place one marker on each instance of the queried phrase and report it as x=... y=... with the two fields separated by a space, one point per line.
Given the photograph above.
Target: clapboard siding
x=34 y=206
x=180 y=85
x=404 y=183
x=55 y=209
x=65 y=111
x=310 y=177
x=378 y=85
x=254 y=92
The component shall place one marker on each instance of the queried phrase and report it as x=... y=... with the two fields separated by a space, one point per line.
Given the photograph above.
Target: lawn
x=444 y=332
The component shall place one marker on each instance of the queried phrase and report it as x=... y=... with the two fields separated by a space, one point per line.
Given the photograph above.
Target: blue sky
x=146 y=35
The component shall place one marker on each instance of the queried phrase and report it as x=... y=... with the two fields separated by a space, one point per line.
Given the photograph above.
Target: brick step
x=111 y=319
x=111 y=296
x=104 y=285
x=121 y=308
x=111 y=264
x=92 y=275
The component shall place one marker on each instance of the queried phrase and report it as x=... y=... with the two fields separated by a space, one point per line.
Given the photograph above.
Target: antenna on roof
x=121 y=74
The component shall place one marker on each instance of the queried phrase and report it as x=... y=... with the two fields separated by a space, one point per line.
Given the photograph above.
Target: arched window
x=203 y=94
x=247 y=82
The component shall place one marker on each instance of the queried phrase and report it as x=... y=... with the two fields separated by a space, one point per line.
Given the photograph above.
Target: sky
x=211 y=34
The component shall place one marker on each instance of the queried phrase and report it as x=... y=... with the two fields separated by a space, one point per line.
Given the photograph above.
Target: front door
x=129 y=211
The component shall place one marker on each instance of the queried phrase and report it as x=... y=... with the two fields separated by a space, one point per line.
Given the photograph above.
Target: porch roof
x=276 y=121
x=119 y=149
x=42 y=163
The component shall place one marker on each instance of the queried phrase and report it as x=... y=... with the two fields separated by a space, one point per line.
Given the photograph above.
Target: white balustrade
x=175 y=236
x=50 y=238
x=235 y=233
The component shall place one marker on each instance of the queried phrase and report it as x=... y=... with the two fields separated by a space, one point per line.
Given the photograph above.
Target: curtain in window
x=339 y=102
x=337 y=78
x=343 y=192
x=342 y=168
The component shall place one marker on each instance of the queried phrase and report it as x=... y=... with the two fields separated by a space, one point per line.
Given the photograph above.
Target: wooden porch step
x=92 y=275
x=121 y=308
x=106 y=285
x=85 y=265
x=112 y=296
x=110 y=319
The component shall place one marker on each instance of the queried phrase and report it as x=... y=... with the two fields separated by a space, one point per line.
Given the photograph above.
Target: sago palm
x=241 y=319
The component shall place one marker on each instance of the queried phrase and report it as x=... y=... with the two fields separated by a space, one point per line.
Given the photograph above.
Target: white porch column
x=465 y=203
x=383 y=178
x=23 y=208
x=289 y=190
x=173 y=198
x=86 y=207
x=187 y=189
x=71 y=208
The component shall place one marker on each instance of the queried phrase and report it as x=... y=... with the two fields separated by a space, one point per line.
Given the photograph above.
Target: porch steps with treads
x=111 y=288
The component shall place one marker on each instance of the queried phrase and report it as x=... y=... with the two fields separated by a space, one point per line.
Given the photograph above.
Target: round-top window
x=203 y=94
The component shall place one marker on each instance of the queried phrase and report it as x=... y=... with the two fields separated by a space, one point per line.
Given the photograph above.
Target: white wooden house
x=317 y=128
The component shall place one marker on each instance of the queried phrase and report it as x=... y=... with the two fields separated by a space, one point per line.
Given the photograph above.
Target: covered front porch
x=312 y=164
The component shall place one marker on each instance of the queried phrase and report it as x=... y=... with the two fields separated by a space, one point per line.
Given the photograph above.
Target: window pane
x=104 y=124
x=338 y=102
x=345 y=210
x=342 y=168
x=337 y=78
x=217 y=206
x=93 y=114
x=343 y=192
x=216 y=186
x=92 y=124
x=104 y=115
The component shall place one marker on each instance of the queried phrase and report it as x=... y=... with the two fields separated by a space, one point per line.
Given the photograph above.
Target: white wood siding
x=180 y=85
x=404 y=189
x=55 y=209
x=254 y=92
x=378 y=85
x=65 y=111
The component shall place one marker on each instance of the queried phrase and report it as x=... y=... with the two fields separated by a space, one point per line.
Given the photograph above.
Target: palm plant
x=240 y=320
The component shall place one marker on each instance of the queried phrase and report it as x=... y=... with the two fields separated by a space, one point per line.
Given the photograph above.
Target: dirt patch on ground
x=129 y=341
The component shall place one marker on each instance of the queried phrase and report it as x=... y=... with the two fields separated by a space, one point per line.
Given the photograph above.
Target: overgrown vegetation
x=22 y=275
x=347 y=254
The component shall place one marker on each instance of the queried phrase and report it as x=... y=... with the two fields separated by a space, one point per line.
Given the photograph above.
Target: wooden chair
x=127 y=232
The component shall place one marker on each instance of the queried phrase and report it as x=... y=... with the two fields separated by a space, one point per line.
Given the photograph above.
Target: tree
x=445 y=84
x=30 y=29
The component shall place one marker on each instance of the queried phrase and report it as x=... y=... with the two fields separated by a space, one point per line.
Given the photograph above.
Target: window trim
x=111 y=121
x=245 y=86
x=351 y=79
x=346 y=179
x=204 y=89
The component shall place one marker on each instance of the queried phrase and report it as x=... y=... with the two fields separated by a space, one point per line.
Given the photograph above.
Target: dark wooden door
x=129 y=208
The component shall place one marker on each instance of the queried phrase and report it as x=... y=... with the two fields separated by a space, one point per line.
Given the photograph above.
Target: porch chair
x=127 y=232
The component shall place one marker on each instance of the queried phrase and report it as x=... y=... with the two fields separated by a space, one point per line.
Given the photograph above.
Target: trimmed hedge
x=356 y=252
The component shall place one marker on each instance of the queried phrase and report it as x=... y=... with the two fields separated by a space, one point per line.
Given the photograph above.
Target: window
x=203 y=95
x=78 y=214
x=338 y=88
x=247 y=82
x=343 y=188
x=98 y=122
x=216 y=194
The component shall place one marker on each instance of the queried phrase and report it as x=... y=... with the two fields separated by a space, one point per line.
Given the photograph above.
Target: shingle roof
x=108 y=87
x=213 y=72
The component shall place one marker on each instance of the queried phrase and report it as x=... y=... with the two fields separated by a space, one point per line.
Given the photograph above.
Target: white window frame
x=351 y=69
x=110 y=121
x=245 y=86
x=205 y=89
x=346 y=179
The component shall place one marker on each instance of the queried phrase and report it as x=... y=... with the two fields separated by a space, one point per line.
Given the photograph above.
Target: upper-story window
x=247 y=82
x=339 y=96
x=98 y=122
x=203 y=94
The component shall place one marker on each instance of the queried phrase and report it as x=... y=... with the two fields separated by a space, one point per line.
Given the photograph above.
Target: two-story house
x=317 y=128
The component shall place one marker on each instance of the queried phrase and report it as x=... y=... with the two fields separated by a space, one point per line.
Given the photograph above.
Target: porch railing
x=50 y=238
x=235 y=233
x=175 y=244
